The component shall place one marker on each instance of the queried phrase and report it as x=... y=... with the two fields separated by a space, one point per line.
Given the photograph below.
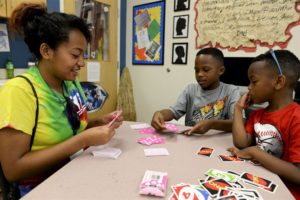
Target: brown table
x=87 y=177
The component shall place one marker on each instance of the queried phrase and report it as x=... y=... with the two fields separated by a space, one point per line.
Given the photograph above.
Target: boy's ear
x=280 y=82
x=221 y=70
x=45 y=51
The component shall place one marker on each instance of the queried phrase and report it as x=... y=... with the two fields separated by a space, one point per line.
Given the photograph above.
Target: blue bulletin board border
x=140 y=56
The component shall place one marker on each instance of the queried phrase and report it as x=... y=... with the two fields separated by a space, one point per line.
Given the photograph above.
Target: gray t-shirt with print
x=198 y=104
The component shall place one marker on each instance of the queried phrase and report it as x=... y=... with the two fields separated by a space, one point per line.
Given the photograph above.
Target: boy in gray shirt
x=208 y=104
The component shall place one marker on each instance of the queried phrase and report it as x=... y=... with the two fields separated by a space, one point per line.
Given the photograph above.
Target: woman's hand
x=106 y=119
x=99 y=135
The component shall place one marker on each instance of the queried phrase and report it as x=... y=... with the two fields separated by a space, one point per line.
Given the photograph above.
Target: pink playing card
x=149 y=130
x=151 y=140
x=169 y=128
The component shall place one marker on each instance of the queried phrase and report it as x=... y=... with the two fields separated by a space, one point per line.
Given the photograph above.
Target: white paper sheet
x=93 y=71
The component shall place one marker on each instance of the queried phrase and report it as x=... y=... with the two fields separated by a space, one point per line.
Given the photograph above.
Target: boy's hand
x=244 y=153
x=244 y=101
x=201 y=127
x=158 y=121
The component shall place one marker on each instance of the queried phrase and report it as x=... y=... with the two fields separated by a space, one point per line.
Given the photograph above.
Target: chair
x=9 y=191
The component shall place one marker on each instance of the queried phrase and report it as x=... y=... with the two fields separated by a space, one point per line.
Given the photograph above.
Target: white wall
x=154 y=88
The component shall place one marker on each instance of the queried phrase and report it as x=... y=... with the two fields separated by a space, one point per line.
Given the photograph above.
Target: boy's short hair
x=214 y=52
x=289 y=63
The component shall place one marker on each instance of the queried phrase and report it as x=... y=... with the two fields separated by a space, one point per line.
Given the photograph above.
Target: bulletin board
x=245 y=24
x=148 y=34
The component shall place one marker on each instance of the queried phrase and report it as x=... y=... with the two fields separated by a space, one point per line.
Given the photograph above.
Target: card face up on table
x=156 y=152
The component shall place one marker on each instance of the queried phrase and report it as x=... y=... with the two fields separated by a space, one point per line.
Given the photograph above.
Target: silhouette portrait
x=179 y=53
x=181 y=26
x=181 y=5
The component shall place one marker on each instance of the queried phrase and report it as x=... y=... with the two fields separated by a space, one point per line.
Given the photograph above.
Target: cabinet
x=2 y=8
x=104 y=15
x=7 y=6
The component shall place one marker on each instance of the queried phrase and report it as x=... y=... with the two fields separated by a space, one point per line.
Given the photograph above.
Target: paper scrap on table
x=108 y=152
x=139 y=126
x=156 y=152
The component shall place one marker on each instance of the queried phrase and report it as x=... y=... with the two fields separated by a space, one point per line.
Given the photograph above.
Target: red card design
x=205 y=151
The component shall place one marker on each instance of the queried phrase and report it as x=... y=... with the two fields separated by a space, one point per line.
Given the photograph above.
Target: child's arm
x=241 y=138
x=205 y=125
x=278 y=166
x=159 y=118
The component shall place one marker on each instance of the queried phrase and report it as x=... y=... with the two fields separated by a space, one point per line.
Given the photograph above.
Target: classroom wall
x=153 y=86
x=19 y=52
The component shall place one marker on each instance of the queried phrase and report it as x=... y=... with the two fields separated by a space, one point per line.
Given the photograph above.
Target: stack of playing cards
x=222 y=185
x=151 y=140
x=107 y=152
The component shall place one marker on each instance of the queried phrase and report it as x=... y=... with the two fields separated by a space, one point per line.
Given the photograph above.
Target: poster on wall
x=179 y=53
x=4 y=42
x=181 y=5
x=180 y=26
x=245 y=24
x=148 y=34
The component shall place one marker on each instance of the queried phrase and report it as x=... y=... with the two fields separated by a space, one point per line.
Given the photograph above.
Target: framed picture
x=179 y=53
x=181 y=5
x=148 y=34
x=180 y=26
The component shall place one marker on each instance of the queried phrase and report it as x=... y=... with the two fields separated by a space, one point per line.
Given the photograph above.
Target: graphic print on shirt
x=268 y=138
x=209 y=111
x=78 y=101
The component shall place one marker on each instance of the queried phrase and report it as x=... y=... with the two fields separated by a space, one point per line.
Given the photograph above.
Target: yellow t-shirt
x=18 y=109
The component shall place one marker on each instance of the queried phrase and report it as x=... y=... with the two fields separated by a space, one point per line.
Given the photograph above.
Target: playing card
x=248 y=193
x=247 y=177
x=139 y=126
x=223 y=192
x=205 y=151
x=229 y=197
x=212 y=187
x=173 y=197
x=271 y=188
x=254 y=162
x=223 y=175
x=232 y=172
x=149 y=130
x=151 y=140
x=184 y=192
x=230 y=158
x=156 y=152
x=116 y=116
